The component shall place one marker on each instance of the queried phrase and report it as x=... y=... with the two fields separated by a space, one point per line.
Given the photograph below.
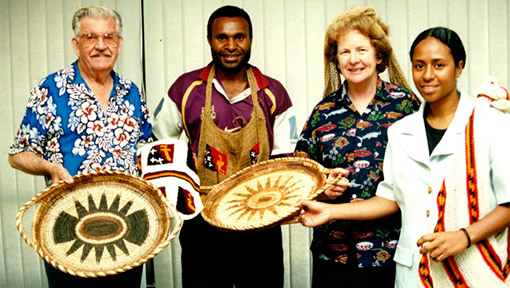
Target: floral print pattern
x=66 y=124
x=336 y=135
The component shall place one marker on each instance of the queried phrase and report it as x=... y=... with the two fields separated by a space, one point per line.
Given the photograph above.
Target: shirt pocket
x=404 y=254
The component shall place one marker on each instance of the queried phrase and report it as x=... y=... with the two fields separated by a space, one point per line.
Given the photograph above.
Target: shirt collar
x=259 y=77
x=117 y=80
x=341 y=94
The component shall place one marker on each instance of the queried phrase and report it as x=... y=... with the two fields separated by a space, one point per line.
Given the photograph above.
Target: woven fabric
x=463 y=200
x=170 y=165
x=222 y=153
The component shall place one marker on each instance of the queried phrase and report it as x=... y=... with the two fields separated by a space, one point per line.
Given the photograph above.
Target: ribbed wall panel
x=287 y=45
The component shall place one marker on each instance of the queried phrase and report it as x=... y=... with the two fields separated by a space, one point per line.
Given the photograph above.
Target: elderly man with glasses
x=84 y=118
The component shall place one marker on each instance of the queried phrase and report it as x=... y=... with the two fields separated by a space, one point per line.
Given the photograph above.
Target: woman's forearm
x=491 y=224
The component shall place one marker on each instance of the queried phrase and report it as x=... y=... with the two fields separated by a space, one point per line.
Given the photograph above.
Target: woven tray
x=265 y=194
x=101 y=224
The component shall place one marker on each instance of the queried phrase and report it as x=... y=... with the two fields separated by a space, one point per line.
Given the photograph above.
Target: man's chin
x=101 y=66
x=231 y=67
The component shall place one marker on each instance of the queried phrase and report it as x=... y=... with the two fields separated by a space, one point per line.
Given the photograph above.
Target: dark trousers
x=329 y=274
x=217 y=259
x=58 y=279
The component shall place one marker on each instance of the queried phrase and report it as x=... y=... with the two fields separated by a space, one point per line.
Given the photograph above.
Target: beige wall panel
x=458 y=20
x=315 y=27
x=417 y=15
x=37 y=41
x=296 y=256
x=498 y=24
x=477 y=45
x=130 y=59
x=333 y=8
x=6 y=177
x=397 y=17
x=37 y=64
x=256 y=11
x=193 y=40
x=68 y=9
x=155 y=61
x=203 y=11
x=507 y=48
x=273 y=36
x=295 y=56
x=55 y=54
x=167 y=266
x=438 y=12
x=18 y=188
x=174 y=47
x=164 y=57
x=354 y=3
x=379 y=6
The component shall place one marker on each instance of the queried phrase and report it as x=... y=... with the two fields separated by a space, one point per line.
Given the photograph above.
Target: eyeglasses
x=90 y=39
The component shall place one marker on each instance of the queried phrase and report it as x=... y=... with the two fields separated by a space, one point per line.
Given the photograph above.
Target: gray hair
x=97 y=12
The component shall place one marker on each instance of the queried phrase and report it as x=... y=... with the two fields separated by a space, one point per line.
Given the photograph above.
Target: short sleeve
x=167 y=120
x=499 y=155
x=38 y=123
x=385 y=188
x=146 y=124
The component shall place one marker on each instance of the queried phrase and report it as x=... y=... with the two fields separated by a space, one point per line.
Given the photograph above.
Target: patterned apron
x=222 y=153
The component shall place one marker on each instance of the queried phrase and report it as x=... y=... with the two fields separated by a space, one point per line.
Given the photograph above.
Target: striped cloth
x=171 y=166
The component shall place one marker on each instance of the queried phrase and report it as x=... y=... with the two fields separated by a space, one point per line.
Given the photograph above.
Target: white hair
x=98 y=12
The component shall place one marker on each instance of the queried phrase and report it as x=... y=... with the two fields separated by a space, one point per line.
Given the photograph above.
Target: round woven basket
x=102 y=224
x=265 y=194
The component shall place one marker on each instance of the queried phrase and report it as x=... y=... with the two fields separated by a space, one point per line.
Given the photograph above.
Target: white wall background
x=287 y=45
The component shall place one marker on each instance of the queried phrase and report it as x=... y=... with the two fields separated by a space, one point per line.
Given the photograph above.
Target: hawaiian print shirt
x=336 y=135
x=65 y=124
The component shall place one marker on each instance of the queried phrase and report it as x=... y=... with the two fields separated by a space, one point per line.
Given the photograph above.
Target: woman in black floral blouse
x=348 y=129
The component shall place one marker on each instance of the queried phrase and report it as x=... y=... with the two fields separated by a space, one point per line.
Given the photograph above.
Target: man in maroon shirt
x=234 y=116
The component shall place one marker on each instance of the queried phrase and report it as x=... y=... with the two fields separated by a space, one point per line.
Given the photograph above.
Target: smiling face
x=356 y=57
x=434 y=71
x=230 y=43
x=99 y=57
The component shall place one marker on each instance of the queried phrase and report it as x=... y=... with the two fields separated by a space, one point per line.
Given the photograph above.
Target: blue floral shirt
x=65 y=124
x=336 y=135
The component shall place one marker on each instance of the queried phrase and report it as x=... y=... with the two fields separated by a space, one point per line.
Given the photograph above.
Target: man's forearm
x=30 y=163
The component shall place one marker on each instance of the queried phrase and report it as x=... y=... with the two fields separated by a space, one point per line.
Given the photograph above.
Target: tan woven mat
x=264 y=194
x=101 y=224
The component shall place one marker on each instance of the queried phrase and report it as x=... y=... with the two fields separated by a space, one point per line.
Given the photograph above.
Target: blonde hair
x=97 y=12
x=364 y=20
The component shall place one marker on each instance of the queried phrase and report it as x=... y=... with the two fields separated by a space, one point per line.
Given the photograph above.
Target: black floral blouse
x=336 y=135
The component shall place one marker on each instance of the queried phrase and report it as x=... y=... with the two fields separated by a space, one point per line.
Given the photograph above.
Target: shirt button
x=430 y=190
x=357 y=170
x=428 y=213
x=359 y=144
